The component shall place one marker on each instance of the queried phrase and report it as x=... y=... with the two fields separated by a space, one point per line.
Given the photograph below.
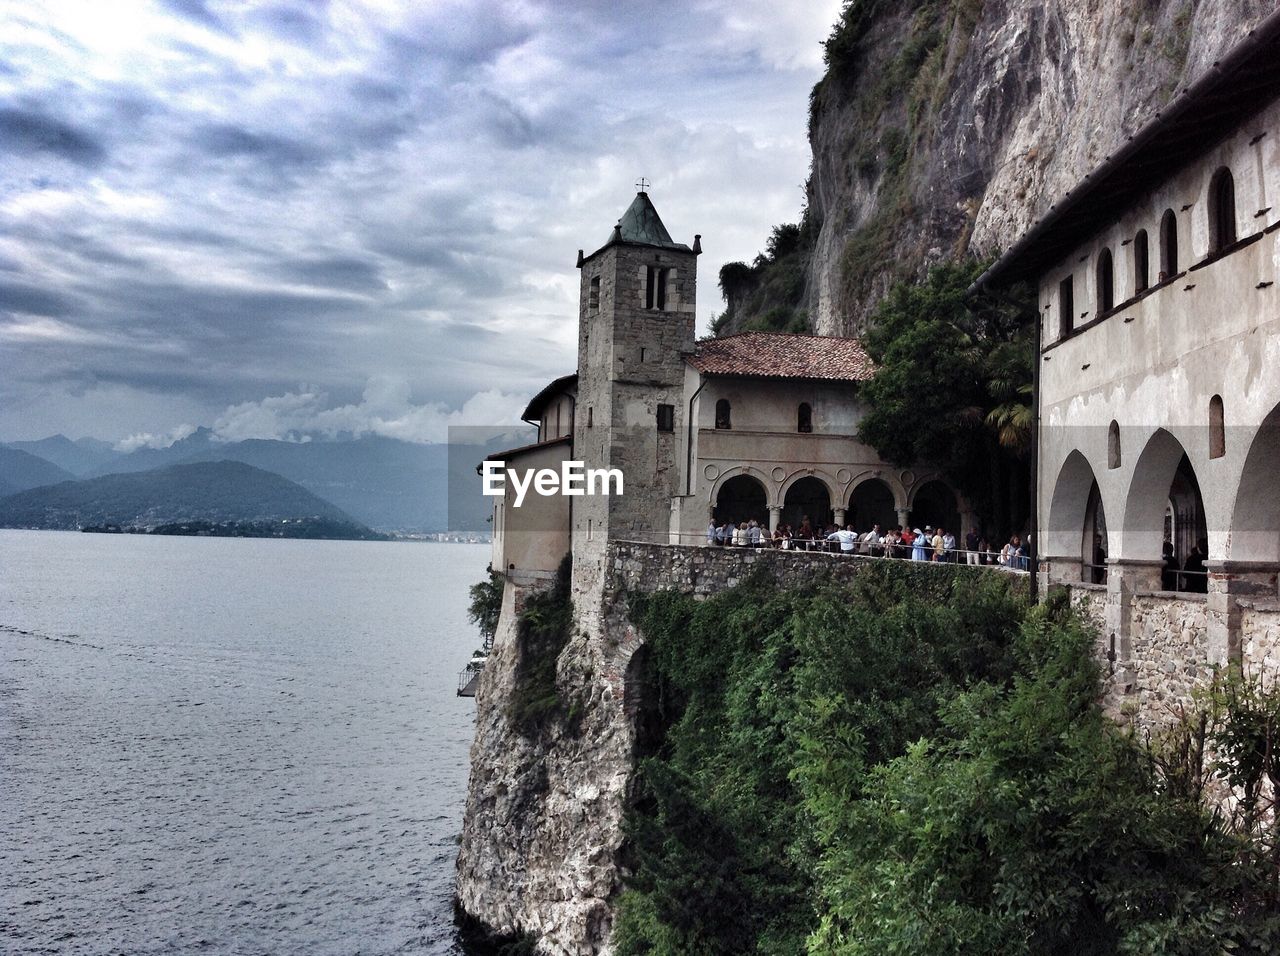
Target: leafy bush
x=543 y=630
x=910 y=764
x=486 y=605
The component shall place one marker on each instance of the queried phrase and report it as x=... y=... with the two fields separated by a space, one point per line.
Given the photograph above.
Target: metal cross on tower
x=642 y=184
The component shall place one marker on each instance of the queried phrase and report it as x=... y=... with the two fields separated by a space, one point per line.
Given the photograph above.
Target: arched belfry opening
x=1106 y=286
x=1141 y=262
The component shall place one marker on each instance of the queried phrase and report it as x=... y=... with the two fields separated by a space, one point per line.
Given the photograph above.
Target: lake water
x=228 y=745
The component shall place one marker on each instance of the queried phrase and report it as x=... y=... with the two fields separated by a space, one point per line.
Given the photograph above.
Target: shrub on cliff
x=911 y=764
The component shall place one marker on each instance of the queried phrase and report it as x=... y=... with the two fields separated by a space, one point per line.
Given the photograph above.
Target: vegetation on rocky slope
x=914 y=763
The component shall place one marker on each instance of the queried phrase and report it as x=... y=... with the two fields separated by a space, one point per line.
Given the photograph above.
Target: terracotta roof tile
x=780 y=355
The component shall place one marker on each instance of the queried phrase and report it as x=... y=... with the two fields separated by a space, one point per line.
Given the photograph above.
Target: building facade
x=1159 y=389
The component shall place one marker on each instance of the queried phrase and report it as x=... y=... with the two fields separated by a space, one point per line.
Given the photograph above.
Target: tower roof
x=641 y=224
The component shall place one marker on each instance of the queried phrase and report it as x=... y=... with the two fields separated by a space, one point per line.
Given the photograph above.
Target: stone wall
x=1260 y=637
x=1168 y=655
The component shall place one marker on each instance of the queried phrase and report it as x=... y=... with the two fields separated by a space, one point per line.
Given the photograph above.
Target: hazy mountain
x=20 y=470
x=78 y=457
x=204 y=491
x=385 y=483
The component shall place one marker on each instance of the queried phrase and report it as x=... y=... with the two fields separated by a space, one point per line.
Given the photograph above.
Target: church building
x=757 y=425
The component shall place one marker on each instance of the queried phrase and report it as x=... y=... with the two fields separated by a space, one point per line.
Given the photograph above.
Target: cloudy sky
x=359 y=215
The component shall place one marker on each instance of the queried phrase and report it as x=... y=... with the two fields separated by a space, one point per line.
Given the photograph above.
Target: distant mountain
x=385 y=483
x=78 y=457
x=20 y=470
x=200 y=492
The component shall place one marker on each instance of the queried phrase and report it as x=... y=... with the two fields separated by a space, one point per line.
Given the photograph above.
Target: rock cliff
x=948 y=127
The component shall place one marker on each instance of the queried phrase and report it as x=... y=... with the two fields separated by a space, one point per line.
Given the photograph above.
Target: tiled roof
x=779 y=355
x=565 y=383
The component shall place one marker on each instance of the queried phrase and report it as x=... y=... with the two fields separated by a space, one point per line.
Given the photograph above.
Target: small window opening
x=1141 y=262
x=666 y=418
x=643 y=353
x=722 y=414
x=655 y=291
x=593 y=297
x=1106 y=282
x=1222 y=209
x=1066 y=307
x=804 y=418
x=1168 y=245
x=591 y=418
x=1113 y=445
x=1217 y=428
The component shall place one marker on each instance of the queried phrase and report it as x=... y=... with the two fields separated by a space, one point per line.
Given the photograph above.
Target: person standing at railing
x=846 y=537
x=948 y=546
x=972 y=544
x=939 y=549
x=919 y=546
x=713 y=532
x=1169 y=573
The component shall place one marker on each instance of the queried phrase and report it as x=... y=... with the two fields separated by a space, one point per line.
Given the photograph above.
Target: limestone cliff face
x=950 y=126
x=543 y=823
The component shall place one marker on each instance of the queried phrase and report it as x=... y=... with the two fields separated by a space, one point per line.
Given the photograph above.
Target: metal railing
x=820 y=545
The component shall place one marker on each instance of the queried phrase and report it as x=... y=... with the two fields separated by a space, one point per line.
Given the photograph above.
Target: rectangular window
x=666 y=418
x=661 y=296
x=650 y=284
x=593 y=302
x=590 y=416
x=1066 y=307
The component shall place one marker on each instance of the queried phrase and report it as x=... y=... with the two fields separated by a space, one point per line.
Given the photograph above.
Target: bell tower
x=635 y=328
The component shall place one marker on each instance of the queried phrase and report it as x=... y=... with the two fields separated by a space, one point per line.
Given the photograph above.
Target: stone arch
x=1254 y=532
x=1147 y=503
x=934 y=502
x=806 y=493
x=741 y=494
x=1069 y=510
x=872 y=500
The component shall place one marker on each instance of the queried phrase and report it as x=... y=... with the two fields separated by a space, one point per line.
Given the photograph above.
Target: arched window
x=1066 y=307
x=655 y=290
x=1222 y=209
x=1217 y=428
x=593 y=300
x=722 y=414
x=1113 y=445
x=1106 y=282
x=1168 y=245
x=804 y=418
x=1141 y=262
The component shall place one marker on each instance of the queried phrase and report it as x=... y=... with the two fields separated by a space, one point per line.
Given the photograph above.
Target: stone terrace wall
x=1169 y=658
x=1260 y=638
x=703 y=571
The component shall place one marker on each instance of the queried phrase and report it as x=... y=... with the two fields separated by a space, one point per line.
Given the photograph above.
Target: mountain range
x=387 y=484
x=224 y=491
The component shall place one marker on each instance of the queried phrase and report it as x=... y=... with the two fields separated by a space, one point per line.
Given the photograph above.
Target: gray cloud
x=27 y=132
x=287 y=193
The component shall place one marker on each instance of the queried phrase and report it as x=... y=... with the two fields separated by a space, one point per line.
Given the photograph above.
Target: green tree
x=486 y=605
x=952 y=389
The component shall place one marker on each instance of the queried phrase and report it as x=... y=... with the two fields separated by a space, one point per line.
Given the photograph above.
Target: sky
x=289 y=218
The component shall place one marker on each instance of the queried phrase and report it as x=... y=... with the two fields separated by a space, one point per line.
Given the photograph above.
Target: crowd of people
x=908 y=544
